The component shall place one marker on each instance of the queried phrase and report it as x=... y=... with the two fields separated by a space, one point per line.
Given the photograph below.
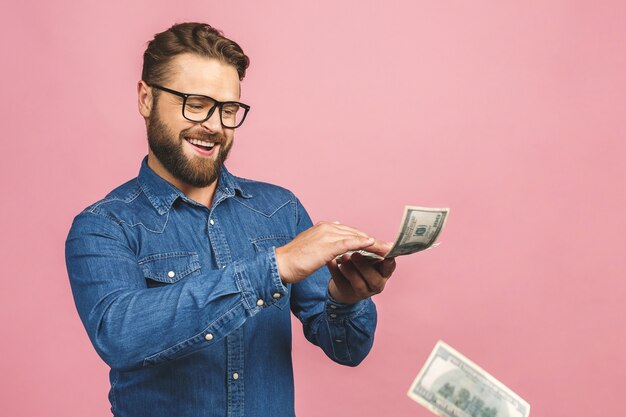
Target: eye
x=231 y=109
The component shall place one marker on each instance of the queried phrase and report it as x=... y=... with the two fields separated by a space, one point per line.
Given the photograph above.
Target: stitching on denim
x=219 y=318
x=113 y=400
x=268 y=237
x=257 y=241
x=152 y=198
x=236 y=184
x=180 y=275
x=238 y=278
x=344 y=343
x=260 y=212
x=106 y=200
x=165 y=255
x=97 y=210
x=106 y=216
x=349 y=316
x=167 y=219
x=191 y=260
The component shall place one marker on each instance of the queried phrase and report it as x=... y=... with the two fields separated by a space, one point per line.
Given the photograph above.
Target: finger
x=386 y=267
x=352 y=243
x=380 y=247
x=345 y=228
x=368 y=270
x=332 y=233
x=358 y=283
x=337 y=277
x=333 y=267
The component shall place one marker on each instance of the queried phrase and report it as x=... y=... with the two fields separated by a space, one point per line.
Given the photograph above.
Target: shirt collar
x=162 y=194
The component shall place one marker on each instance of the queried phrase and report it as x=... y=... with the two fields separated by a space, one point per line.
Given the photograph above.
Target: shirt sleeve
x=131 y=325
x=345 y=332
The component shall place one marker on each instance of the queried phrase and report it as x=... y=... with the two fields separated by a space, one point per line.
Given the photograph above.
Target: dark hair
x=197 y=38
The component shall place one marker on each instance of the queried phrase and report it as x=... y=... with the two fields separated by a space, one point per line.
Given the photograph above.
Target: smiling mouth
x=203 y=145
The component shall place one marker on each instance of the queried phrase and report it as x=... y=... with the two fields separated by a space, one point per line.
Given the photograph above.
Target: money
x=419 y=230
x=451 y=385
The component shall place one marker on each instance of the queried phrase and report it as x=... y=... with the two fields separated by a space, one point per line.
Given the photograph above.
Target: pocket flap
x=169 y=267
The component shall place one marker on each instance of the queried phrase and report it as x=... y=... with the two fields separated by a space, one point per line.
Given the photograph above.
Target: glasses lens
x=197 y=107
x=232 y=114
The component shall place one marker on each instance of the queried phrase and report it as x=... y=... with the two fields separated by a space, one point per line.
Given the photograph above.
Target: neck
x=202 y=195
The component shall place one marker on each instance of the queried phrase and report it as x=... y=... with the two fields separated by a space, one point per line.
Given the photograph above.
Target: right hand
x=319 y=244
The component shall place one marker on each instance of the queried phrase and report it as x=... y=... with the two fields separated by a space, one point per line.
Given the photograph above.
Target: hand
x=320 y=244
x=358 y=277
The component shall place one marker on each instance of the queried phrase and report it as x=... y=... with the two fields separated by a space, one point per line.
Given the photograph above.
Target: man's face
x=169 y=132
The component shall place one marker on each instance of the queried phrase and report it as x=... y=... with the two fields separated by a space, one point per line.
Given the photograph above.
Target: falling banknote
x=451 y=385
x=419 y=230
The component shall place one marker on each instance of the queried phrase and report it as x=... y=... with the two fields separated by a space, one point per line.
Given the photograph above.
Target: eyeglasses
x=199 y=108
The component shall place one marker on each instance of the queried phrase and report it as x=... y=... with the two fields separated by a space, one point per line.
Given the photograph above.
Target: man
x=184 y=277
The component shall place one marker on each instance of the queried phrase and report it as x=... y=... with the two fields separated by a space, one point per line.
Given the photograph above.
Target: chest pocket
x=264 y=244
x=169 y=267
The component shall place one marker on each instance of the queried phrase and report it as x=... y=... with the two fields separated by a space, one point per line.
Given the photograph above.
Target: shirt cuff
x=260 y=282
x=337 y=311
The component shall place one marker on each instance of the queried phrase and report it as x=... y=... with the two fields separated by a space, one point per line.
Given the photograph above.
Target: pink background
x=511 y=113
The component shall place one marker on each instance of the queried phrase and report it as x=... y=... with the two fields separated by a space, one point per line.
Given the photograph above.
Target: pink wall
x=511 y=113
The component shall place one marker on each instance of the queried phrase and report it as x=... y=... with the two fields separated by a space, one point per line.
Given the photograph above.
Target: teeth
x=201 y=142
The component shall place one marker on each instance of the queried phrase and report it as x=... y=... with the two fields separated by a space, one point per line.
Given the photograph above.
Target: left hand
x=358 y=277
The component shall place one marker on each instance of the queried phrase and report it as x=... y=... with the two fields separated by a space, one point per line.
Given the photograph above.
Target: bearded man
x=184 y=277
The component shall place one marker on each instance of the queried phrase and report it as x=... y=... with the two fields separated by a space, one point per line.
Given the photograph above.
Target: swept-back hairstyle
x=190 y=37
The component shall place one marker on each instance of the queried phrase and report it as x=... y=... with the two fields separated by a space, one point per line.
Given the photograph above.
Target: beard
x=195 y=171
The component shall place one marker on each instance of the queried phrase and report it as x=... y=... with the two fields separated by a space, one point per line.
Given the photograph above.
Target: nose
x=213 y=124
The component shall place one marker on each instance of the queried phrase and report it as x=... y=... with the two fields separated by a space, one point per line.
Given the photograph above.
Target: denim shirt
x=186 y=305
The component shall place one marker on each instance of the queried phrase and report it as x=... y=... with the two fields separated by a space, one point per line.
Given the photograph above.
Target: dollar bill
x=451 y=385
x=419 y=229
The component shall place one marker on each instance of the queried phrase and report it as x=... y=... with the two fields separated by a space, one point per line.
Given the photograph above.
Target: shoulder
x=117 y=205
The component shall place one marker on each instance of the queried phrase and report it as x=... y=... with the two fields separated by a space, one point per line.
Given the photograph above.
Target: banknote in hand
x=419 y=229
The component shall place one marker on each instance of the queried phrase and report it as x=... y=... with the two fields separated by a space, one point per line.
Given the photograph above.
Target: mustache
x=216 y=137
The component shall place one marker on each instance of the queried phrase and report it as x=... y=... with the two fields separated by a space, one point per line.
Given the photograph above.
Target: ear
x=144 y=98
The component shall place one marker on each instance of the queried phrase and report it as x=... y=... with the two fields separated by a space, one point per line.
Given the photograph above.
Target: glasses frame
x=218 y=104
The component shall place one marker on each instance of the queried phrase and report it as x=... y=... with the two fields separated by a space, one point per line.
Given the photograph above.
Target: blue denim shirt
x=185 y=303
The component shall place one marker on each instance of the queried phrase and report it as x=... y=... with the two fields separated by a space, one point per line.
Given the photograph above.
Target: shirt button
x=260 y=303
x=338 y=340
x=235 y=376
x=171 y=274
x=208 y=336
x=276 y=295
x=212 y=222
x=334 y=316
x=333 y=306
